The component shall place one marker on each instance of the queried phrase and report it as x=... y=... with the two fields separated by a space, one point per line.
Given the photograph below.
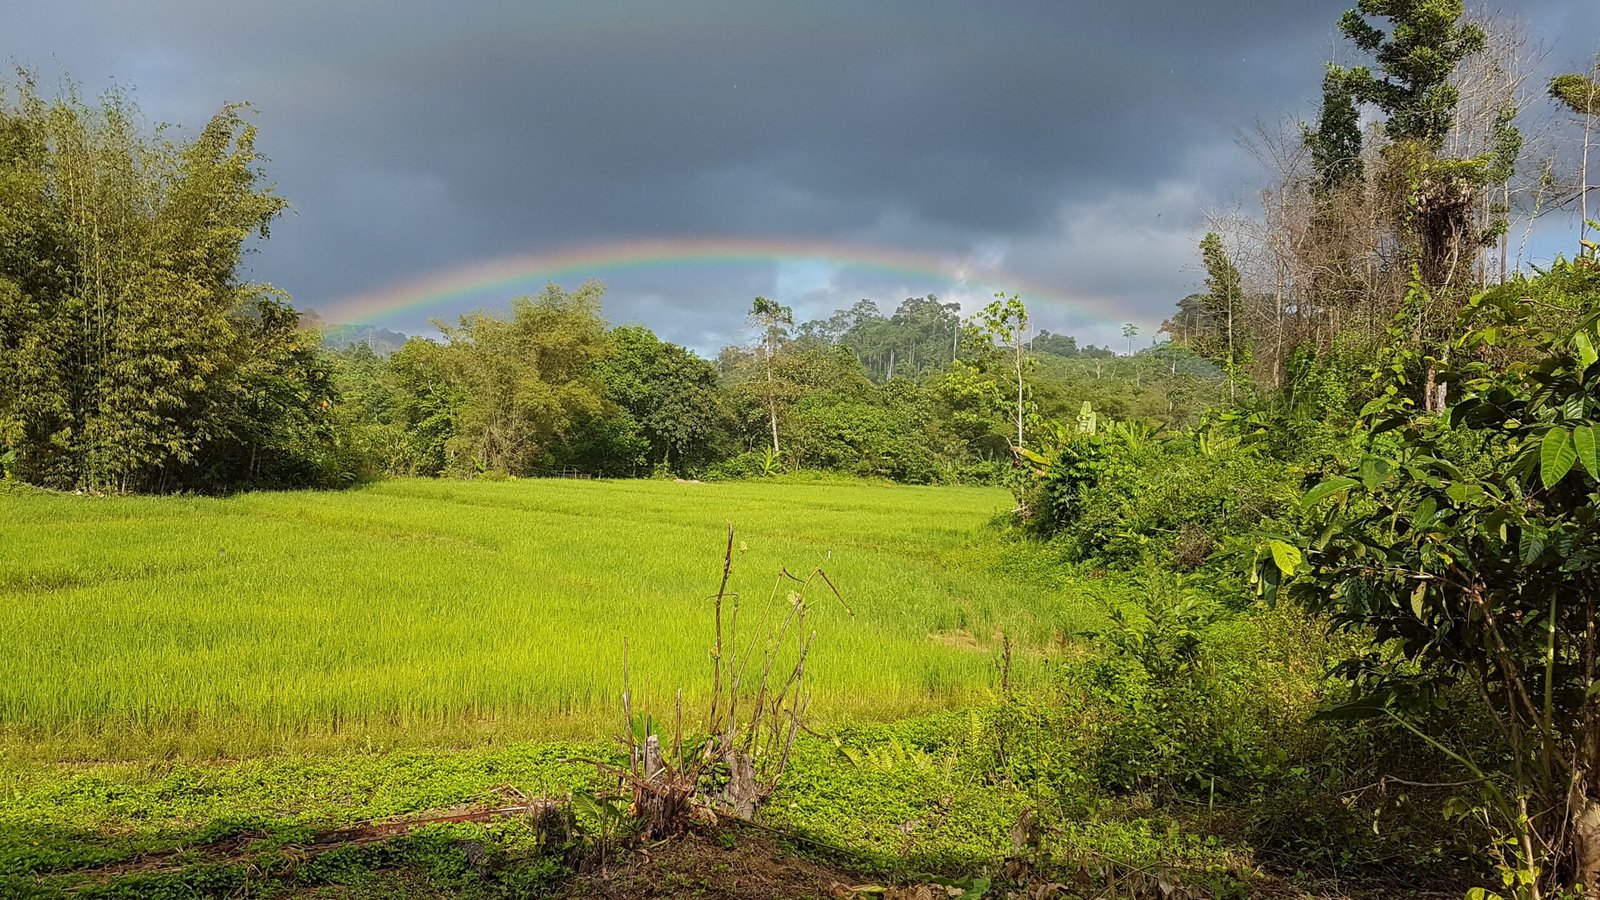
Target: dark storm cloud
x=1076 y=141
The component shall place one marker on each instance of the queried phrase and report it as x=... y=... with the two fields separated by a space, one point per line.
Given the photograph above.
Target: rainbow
x=527 y=272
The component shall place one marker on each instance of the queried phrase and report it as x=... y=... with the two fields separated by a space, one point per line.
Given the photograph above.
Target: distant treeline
x=919 y=395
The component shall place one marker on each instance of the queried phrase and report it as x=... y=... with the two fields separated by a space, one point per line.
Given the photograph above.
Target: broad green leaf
x=1327 y=489
x=1556 y=456
x=1373 y=406
x=1032 y=457
x=1583 y=440
x=1417 y=597
x=1391 y=423
x=1267 y=582
x=1423 y=515
x=1586 y=350
x=1287 y=556
x=1531 y=545
x=1369 y=473
x=1360 y=708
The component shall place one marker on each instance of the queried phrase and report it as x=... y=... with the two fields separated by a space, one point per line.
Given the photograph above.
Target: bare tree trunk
x=1584 y=802
x=1505 y=235
x=1540 y=191
x=1019 y=388
x=1277 y=316
x=772 y=402
x=1583 y=178
x=1233 y=363
x=1585 y=807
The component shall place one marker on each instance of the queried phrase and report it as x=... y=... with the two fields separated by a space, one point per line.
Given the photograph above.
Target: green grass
x=442 y=613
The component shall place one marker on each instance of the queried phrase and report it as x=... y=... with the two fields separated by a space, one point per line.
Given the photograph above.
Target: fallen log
x=386 y=828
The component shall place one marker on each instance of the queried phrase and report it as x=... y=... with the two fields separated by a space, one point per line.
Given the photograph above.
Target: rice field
x=450 y=613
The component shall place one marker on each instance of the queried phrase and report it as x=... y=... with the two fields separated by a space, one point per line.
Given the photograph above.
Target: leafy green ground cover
x=880 y=800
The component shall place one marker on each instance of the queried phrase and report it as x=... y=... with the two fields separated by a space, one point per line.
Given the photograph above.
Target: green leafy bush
x=860 y=438
x=749 y=464
x=1118 y=493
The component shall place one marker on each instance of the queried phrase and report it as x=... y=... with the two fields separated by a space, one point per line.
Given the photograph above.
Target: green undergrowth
x=141 y=830
x=898 y=800
x=1176 y=739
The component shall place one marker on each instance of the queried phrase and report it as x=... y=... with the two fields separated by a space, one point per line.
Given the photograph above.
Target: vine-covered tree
x=1436 y=199
x=1216 y=320
x=1425 y=42
x=1336 y=141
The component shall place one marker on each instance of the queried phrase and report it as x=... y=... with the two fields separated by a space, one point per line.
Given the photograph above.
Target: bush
x=1183 y=706
x=991 y=472
x=1174 y=698
x=859 y=438
x=749 y=464
x=1117 y=495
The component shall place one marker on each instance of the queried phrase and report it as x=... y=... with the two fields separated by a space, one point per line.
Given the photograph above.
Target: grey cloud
x=416 y=136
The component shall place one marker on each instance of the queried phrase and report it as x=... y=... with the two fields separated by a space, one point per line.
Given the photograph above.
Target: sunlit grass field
x=444 y=613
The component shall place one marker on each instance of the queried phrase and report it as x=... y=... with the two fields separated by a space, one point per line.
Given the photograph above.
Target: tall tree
x=929 y=329
x=131 y=348
x=524 y=381
x=921 y=336
x=1056 y=344
x=1581 y=94
x=1436 y=197
x=1426 y=40
x=668 y=391
x=1336 y=141
x=427 y=398
x=772 y=321
x=1224 y=302
x=1005 y=320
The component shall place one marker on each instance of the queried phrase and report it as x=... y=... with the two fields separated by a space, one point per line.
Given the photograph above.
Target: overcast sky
x=1068 y=149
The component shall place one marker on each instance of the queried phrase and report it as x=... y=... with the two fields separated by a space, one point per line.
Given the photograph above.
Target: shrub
x=1118 y=494
x=749 y=464
x=860 y=438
